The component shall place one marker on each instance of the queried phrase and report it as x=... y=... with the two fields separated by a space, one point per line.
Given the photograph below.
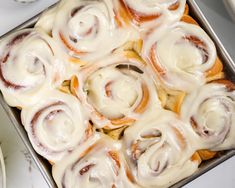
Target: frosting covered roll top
x=46 y=20
x=159 y=150
x=210 y=110
x=88 y=29
x=180 y=54
x=98 y=163
x=150 y=13
x=56 y=125
x=30 y=63
x=117 y=91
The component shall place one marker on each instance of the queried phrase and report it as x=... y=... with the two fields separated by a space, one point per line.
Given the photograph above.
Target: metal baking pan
x=45 y=167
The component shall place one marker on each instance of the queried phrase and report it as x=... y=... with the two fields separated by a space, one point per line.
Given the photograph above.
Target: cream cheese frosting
x=88 y=29
x=97 y=163
x=210 y=110
x=147 y=14
x=190 y=53
x=159 y=150
x=30 y=64
x=117 y=90
x=56 y=125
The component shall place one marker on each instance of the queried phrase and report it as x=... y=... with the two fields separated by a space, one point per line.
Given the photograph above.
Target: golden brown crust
x=196 y=158
x=206 y=154
x=216 y=72
x=131 y=49
x=171 y=99
x=77 y=61
x=70 y=86
x=65 y=87
x=186 y=9
x=188 y=19
x=116 y=134
x=74 y=84
x=229 y=85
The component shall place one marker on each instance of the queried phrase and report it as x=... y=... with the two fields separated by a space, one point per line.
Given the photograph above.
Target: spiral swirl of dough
x=30 y=64
x=159 y=150
x=117 y=91
x=56 y=125
x=97 y=163
x=210 y=110
x=149 y=13
x=190 y=54
x=88 y=29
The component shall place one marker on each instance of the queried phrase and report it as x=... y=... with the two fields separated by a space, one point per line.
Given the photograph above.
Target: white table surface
x=20 y=168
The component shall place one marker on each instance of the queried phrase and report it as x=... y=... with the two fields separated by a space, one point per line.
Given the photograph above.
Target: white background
x=21 y=170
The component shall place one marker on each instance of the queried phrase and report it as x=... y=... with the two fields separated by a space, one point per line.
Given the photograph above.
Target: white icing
x=126 y=89
x=159 y=150
x=183 y=61
x=34 y=63
x=46 y=20
x=89 y=26
x=124 y=92
x=103 y=172
x=55 y=125
x=156 y=7
x=212 y=108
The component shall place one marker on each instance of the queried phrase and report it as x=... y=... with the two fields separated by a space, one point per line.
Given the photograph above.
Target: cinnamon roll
x=30 y=64
x=117 y=91
x=56 y=125
x=181 y=55
x=97 y=163
x=46 y=20
x=147 y=14
x=159 y=150
x=210 y=110
x=89 y=29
